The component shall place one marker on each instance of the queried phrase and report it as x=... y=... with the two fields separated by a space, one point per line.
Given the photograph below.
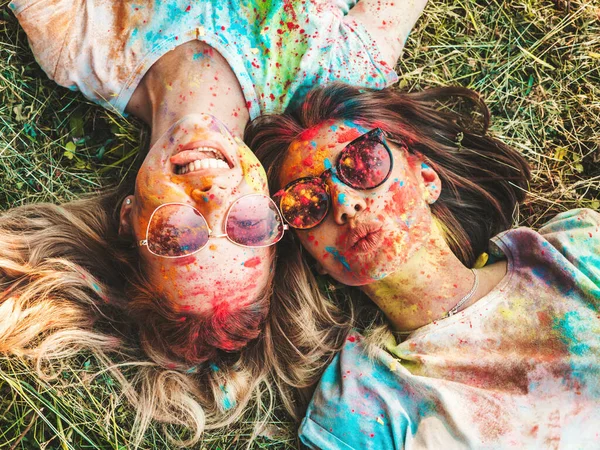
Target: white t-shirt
x=278 y=49
x=518 y=369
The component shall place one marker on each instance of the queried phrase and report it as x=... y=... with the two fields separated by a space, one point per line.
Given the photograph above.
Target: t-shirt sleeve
x=47 y=25
x=90 y=45
x=358 y=403
x=576 y=234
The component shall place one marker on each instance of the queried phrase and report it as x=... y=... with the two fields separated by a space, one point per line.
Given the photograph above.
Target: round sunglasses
x=179 y=229
x=365 y=163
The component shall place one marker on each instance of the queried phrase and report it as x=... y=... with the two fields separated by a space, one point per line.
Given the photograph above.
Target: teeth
x=209 y=163
x=216 y=153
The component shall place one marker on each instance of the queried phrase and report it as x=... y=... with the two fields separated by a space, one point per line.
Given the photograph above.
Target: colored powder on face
x=252 y=262
x=348 y=135
x=309 y=134
x=184 y=261
x=308 y=161
x=254 y=172
x=342 y=198
x=340 y=258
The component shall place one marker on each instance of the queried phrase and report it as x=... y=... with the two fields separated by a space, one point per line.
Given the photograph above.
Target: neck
x=431 y=283
x=192 y=79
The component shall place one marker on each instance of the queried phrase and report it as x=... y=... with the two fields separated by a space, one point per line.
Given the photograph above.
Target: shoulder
x=571 y=240
x=574 y=221
x=41 y=19
x=576 y=235
x=358 y=402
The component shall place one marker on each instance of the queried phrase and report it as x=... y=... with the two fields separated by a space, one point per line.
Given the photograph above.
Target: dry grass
x=537 y=63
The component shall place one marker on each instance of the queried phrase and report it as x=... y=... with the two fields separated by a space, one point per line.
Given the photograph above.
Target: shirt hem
x=318 y=431
x=18 y=6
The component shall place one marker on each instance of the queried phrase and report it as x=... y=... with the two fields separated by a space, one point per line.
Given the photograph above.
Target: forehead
x=316 y=148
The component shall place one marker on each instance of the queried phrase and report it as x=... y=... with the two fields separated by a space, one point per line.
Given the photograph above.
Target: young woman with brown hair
x=193 y=310
x=390 y=193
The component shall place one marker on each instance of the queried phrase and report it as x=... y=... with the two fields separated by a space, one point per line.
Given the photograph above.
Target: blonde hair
x=67 y=282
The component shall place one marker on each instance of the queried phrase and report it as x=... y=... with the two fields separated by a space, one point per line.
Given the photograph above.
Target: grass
x=536 y=62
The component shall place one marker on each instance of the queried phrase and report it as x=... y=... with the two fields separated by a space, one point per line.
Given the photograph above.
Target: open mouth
x=194 y=158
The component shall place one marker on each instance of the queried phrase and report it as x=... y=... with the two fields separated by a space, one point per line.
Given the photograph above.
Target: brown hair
x=483 y=179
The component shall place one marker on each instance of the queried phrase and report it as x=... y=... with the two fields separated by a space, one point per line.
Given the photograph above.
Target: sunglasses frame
x=377 y=135
x=285 y=227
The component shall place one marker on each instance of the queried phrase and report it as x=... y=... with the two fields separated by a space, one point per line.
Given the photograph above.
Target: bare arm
x=389 y=22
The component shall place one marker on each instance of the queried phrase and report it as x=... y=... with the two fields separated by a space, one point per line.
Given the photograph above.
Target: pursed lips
x=364 y=237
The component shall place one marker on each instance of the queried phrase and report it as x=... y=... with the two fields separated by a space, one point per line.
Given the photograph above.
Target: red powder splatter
x=184 y=261
x=221 y=310
x=544 y=318
x=308 y=161
x=348 y=135
x=252 y=262
x=351 y=338
x=188 y=8
x=309 y=134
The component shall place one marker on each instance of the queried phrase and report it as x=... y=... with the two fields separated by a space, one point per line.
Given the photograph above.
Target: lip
x=184 y=154
x=364 y=237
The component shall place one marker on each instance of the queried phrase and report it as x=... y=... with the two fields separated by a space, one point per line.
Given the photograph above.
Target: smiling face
x=367 y=234
x=198 y=162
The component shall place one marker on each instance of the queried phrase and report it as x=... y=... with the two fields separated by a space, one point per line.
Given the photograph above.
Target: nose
x=213 y=204
x=347 y=202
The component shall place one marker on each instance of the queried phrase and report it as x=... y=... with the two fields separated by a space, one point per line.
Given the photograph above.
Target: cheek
x=401 y=198
x=254 y=172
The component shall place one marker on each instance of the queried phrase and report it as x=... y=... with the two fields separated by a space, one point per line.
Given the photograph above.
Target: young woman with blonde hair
x=390 y=193
x=179 y=263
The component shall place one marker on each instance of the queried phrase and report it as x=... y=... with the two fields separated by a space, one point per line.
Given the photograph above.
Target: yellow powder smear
x=254 y=172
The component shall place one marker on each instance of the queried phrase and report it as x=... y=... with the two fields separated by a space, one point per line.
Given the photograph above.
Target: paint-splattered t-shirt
x=518 y=369
x=276 y=48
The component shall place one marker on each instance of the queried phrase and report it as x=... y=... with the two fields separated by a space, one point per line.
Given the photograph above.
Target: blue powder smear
x=338 y=257
x=342 y=198
x=573 y=330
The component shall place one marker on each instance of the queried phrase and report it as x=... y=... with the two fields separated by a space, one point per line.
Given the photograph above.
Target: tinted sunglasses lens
x=305 y=203
x=177 y=230
x=254 y=221
x=365 y=164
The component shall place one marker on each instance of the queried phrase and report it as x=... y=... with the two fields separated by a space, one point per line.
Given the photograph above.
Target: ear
x=431 y=183
x=125 y=224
